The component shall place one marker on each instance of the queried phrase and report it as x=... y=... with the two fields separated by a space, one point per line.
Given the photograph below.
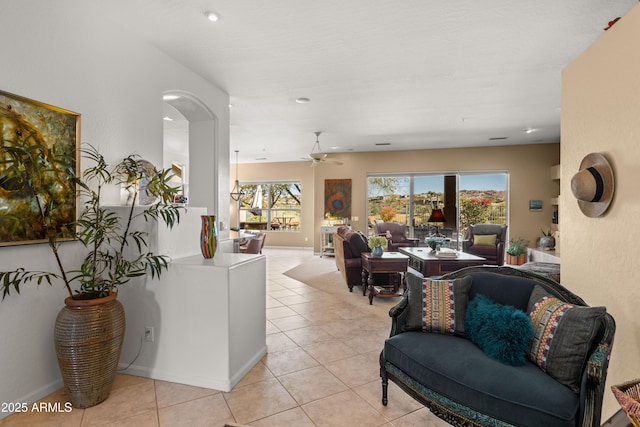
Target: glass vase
x=208 y=236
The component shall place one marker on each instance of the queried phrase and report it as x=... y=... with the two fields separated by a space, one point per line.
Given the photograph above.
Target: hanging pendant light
x=256 y=202
x=237 y=192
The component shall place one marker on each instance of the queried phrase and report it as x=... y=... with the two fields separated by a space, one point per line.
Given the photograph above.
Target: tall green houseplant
x=109 y=261
x=89 y=330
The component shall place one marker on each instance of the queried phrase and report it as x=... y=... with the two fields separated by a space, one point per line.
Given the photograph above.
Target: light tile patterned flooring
x=321 y=369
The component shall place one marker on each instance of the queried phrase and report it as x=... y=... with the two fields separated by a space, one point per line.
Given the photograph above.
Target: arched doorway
x=189 y=147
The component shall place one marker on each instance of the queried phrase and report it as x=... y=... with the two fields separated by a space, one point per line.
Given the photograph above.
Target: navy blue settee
x=458 y=382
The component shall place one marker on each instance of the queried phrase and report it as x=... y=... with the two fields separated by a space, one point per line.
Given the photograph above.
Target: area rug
x=321 y=273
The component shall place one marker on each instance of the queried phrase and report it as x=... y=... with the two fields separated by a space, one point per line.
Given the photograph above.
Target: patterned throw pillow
x=437 y=305
x=563 y=336
x=484 y=239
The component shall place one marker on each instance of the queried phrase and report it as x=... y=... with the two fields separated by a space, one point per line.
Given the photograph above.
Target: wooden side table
x=389 y=262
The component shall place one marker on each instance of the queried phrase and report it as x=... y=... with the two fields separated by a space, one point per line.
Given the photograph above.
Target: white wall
x=58 y=53
x=600 y=105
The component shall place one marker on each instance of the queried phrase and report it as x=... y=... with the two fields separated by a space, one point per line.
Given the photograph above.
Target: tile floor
x=321 y=369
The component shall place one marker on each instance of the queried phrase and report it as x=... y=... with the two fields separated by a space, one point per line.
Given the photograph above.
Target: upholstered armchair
x=255 y=245
x=487 y=241
x=396 y=236
x=348 y=247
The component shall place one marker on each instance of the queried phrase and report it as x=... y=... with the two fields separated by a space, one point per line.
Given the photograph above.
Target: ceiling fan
x=317 y=156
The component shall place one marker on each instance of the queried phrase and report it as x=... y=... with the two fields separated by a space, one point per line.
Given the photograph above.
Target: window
x=483 y=199
x=464 y=198
x=273 y=206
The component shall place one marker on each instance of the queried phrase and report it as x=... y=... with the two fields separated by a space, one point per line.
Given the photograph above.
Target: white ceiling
x=412 y=73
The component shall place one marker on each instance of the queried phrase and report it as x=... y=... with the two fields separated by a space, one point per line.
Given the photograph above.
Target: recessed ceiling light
x=497 y=138
x=302 y=100
x=530 y=130
x=383 y=143
x=167 y=119
x=213 y=17
x=170 y=97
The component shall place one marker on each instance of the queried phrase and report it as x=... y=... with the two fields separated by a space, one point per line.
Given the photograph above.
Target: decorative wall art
x=38 y=162
x=337 y=197
x=535 y=205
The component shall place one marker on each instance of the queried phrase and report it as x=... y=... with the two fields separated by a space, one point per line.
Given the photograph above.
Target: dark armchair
x=487 y=241
x=396 y=236
x=348 y=247
x=255 y=245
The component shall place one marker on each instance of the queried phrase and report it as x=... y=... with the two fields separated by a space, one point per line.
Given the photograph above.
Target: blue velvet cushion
x=502 y=332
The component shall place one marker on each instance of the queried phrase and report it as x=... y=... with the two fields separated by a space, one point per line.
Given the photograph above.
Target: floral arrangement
x=433 y=242
x=387 y=213
x=374 y=241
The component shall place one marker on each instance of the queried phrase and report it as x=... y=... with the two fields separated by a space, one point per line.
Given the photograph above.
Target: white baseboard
x=176 y=376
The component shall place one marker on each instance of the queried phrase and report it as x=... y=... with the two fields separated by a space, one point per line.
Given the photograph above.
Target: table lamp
x=436 y=217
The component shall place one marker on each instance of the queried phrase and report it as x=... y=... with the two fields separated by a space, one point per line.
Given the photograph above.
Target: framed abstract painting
x=337 y=197
x=38 y=163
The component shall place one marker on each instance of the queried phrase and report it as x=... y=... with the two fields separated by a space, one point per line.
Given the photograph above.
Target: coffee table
x=389 y=262
x=426 y=262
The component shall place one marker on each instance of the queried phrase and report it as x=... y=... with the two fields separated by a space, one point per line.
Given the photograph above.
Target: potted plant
x=516 y=251
x=90 y=328
x=376 y=244
x=434 y=241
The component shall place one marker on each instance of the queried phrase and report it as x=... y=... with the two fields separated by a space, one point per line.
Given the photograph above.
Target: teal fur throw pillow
x=502 y=332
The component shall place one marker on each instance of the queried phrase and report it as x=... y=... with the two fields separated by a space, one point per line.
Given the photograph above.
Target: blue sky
x=467 y=182
x=484 y=182
x=435 y=183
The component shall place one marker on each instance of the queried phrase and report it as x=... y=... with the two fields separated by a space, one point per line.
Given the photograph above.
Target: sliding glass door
x=458 y=199
x=428 y=194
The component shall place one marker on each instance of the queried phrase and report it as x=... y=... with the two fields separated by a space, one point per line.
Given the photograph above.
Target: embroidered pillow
x=501 y=331
x=437 y=305
x=564 y=334
x=484 y=239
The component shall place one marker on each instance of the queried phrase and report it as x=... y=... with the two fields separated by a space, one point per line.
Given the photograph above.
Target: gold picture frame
x=39 y=158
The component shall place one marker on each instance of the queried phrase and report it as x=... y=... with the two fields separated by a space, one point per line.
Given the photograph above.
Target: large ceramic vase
x=88 y=338
x=208 y=236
